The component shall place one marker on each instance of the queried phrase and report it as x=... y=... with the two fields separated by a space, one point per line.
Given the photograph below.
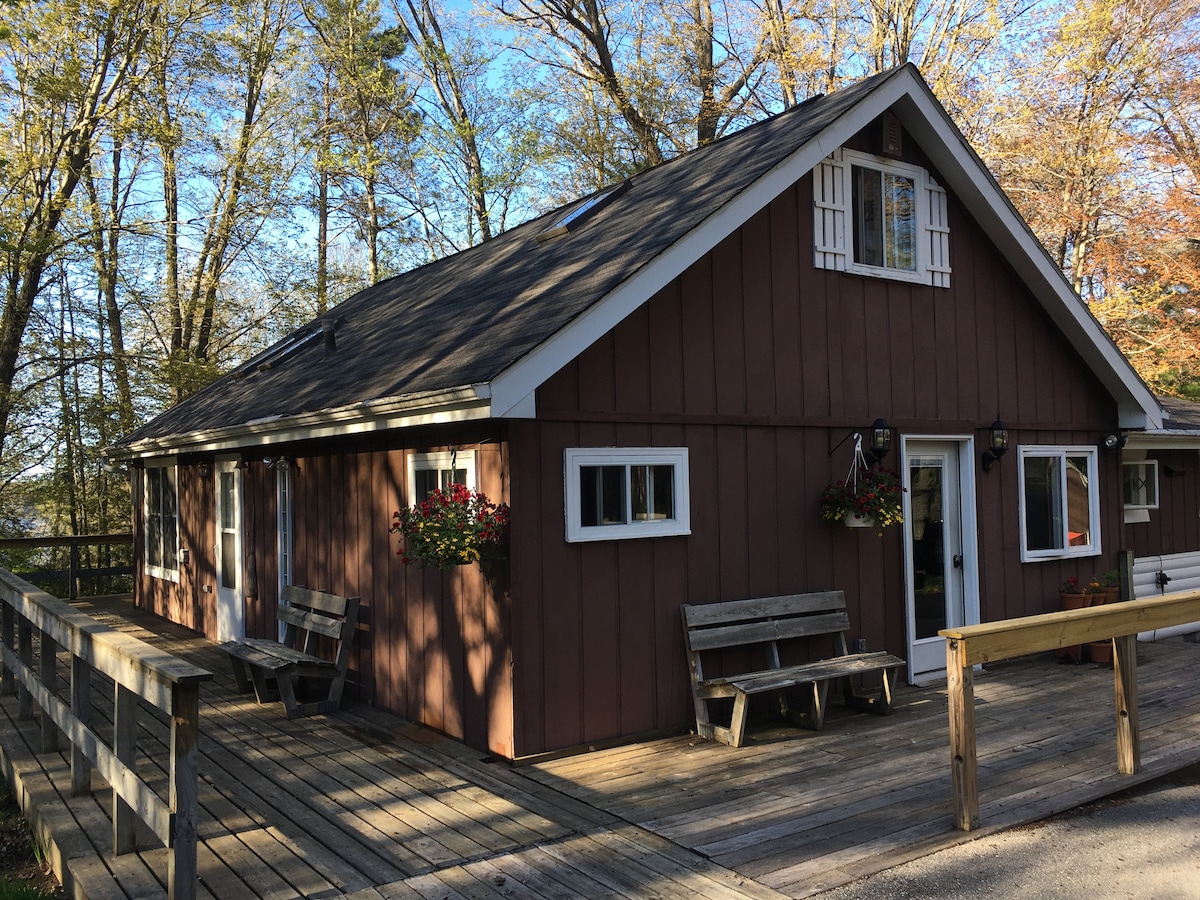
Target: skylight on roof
x=577 y=215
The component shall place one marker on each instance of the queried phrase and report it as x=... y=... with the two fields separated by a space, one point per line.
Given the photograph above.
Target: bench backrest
x=307 y=616
x=764 y=620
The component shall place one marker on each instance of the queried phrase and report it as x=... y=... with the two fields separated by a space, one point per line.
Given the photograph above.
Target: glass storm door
x=941 y=588
x=231 y=609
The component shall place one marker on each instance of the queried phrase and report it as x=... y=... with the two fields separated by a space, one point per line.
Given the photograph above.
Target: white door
x=941 y=565
x=231 y=606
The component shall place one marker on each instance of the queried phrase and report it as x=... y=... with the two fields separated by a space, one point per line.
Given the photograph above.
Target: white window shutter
x=829 y=213
x=937 y=230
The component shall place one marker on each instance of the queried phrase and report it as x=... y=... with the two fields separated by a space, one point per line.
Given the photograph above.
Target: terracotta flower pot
x=1072 y=601
x=1100 y=652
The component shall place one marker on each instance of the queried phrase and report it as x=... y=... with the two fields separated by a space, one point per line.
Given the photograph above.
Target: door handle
x=958 y=560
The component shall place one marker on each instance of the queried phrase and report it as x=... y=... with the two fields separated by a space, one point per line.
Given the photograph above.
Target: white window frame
x=1062 y=452
x=1152 y=464
x=833 y=219
x=442 y=460
x=156 y=571
x=575 y=458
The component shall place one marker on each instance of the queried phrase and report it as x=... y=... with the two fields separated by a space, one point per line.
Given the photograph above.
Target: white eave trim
x=463 y=404
x=1166 y=439
x=963 y=172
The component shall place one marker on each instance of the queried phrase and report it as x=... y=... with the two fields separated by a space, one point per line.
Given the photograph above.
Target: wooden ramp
x=362 y=804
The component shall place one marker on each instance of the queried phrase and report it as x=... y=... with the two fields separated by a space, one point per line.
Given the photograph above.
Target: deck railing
x=992 y=641
x=111 y=559
x=32 y=620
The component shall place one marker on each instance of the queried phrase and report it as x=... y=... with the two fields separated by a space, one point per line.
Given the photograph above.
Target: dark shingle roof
x=464 y=319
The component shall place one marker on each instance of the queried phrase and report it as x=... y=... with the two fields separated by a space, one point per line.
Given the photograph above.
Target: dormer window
x=879 y=217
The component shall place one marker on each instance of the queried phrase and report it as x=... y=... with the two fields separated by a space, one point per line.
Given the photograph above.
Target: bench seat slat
x=824 y=670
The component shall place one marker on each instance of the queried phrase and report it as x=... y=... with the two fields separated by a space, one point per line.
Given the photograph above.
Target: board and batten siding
x=431 y=645
x=760 y=365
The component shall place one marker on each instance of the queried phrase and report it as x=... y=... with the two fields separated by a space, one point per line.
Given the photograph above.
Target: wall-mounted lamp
x=277 y=462
x=881 y=441
x=1115 y=440
x=997 y=444
x=205 y=469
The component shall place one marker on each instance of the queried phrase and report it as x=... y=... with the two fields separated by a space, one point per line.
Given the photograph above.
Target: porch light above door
x=881 y=441
x=997 y=444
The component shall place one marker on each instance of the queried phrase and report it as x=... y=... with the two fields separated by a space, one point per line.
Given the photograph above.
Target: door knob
x=958 y=560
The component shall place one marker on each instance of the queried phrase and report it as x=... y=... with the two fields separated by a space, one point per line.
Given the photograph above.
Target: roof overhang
x=964 y=174
x=461 y=404
x=1166 y=439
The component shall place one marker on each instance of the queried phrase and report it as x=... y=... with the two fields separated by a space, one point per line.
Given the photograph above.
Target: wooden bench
x=275 y=669
x=765 y=622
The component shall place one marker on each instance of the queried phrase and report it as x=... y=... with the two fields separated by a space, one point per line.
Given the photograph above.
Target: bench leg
x=819 y=700
x=240 y=676
x=287 y=693
x=878 y=701
x=737 y=727
x=263 y=692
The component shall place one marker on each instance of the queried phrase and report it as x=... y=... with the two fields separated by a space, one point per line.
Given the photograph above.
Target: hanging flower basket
x=451 y=528
x=867 y=498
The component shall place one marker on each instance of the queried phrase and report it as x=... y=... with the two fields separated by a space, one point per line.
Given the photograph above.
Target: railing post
x=1129 y=751
x=182 y=870
x=73 y=572
x=48 y=675
x=125 y=749
x=1125 y=570
x=963 y=762
x=8 y=682
x=25 y=650
x=81 y=709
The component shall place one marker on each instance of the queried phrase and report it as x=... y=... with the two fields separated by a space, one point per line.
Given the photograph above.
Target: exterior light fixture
x=997 y=444
x=881 y=441
x=1114 y=441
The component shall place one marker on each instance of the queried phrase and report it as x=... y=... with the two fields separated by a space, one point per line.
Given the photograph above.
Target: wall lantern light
x=997 y=444
x=881 y=441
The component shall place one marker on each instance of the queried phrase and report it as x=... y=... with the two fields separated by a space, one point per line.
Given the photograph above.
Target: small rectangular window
x=885 y=219
x=1140 y=484
x=1060 y=502
x=615 y=493
x=430 y=471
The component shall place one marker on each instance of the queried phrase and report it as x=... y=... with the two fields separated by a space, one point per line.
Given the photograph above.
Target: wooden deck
x=363 y=804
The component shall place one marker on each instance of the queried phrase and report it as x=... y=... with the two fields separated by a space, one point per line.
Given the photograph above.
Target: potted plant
x=1110 y=585
x=450 y=528
x=866 y=497
x=1072 y=595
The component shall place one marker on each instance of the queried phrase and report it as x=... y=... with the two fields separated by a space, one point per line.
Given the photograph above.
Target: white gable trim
x=512 y=392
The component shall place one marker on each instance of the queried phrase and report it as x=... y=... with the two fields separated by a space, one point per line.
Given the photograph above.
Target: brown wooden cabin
x=721 y=324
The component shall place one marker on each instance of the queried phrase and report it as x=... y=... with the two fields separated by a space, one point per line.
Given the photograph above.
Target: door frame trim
x=238 y=620
x=969 y=524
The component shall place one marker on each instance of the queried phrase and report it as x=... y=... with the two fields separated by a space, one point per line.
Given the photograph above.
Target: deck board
x=363 y=804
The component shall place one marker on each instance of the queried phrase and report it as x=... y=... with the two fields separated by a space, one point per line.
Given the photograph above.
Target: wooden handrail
x=75 y=572
x=138 y=671
x=972 y=645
